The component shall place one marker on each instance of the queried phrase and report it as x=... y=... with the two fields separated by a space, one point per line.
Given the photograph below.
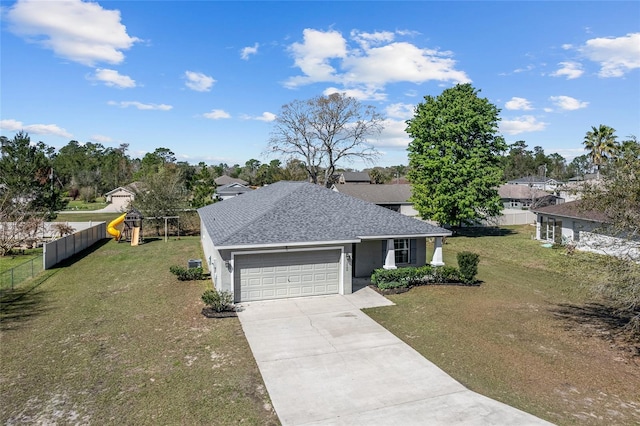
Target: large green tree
x=454 y=157
x=27 y=178
x=602 y=146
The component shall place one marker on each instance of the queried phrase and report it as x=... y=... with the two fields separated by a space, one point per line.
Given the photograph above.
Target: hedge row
x=408 y=277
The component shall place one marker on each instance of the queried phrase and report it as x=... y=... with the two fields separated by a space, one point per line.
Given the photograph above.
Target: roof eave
x=285 y=244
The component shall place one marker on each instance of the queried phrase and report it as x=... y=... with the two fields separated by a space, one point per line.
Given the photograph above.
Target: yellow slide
x=111 y=228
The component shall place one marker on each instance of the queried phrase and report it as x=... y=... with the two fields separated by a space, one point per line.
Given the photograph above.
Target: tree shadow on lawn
x=599 y=320
x=28 y=299
x=482 y=231
x=23 y=302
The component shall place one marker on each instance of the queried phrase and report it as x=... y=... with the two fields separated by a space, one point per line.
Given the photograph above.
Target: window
x=401 y=248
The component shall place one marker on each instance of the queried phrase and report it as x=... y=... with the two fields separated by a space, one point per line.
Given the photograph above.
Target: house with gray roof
x=230 y=190
x=394 y=197
x=583 y=227
x=226 y=180
x=354 y=177
x=524 y=197
x=293 y=239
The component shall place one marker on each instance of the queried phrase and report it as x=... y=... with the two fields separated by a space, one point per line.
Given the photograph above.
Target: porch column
x=390 y=259
x=437 y=252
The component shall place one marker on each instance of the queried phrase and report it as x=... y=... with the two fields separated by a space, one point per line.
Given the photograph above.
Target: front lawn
x=529 y=335
x=115 y=338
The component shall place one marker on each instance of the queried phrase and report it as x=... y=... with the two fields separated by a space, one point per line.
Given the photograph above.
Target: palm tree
x=601 y=144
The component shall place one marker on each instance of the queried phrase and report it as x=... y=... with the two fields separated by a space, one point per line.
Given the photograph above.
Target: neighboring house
x=120 y=197
x=354 y=177
x=585 y=228
x=538 y=182
x=292 y=239
x=226 y=180
x=524 y=197
x=230 y=190
x=393 y=197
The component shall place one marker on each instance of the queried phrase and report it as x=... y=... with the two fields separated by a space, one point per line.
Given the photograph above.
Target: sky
x=206 y=79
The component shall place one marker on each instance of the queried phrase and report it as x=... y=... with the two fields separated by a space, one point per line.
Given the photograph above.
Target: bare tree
x=18 y=227
x=325 y=130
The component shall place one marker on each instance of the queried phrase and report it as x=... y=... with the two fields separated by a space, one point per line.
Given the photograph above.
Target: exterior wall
x=408 y=210
x=221 y=262
x=369 y=256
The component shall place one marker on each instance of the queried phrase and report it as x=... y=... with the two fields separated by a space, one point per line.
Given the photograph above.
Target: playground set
x=132 y=229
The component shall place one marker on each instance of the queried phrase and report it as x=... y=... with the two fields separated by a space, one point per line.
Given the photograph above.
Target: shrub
x=411 y=276
x=219 y=301
x=468 y=265
x=187 y=274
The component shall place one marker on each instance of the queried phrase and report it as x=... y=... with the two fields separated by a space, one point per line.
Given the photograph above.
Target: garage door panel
x=292 y=274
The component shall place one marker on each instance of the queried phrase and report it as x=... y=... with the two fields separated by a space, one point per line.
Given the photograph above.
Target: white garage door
x=291 y=274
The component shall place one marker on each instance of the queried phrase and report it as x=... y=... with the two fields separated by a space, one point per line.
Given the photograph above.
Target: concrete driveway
x=324 y=362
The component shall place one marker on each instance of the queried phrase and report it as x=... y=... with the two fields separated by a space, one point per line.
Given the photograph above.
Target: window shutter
x=413 y=243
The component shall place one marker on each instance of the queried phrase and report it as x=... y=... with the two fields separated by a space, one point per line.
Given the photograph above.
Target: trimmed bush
x=187 y=274
x=219 y=301
x=411 y=276
x=468 y=265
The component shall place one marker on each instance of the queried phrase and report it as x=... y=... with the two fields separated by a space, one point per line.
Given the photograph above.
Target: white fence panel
x=58 y=250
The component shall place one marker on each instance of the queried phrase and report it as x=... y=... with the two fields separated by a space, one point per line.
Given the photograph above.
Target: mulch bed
x=210 y=313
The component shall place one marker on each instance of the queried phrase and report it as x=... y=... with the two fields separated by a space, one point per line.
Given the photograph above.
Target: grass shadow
x=483 y=231
x=24 y=302
x=599 y=320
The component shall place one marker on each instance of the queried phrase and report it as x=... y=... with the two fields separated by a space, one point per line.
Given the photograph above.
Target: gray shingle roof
x=575 y=210
x=378 y=194
x=522 y=192
x=300 y=212
x=226 y=180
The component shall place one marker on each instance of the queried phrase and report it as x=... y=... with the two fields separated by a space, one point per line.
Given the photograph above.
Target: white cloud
x=518 y=104
x=38 y=129
x=266 y=116
x=400 y=111
x=367 y=39
x=616 y=55
x=568 y=103
x=82 y=32
x=101 y=139
x=217 y=114
x=113 y=78
x=248 y=51
x=569 y=69
x=198 y=81
x=366 y=93
x=393 y=135
x=523 y=124
x=140 y=105
x=374 y=61
x=567 y=46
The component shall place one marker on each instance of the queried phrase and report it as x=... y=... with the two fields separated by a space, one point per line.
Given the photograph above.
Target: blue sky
x=205 y=78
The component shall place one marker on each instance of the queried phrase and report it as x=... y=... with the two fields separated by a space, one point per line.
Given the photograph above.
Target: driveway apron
x=324 y=362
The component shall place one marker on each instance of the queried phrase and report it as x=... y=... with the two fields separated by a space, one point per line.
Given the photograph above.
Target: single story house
x=230 y=190
x=120 y=197
x=393 y=197
x=524 y=197
x=354 y=177
x=293 y=239
x=574 y=222
x=538 y=182
x=226 y=180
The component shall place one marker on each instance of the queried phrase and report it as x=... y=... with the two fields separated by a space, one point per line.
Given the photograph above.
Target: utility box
x=194 y=263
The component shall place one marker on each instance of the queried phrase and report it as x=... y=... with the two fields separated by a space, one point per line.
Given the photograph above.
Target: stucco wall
x=369 y=256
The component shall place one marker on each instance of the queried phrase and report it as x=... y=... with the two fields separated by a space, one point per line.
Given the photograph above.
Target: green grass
x=529 y=335
x=82 y=205
x=18 y=257
x=115 y=338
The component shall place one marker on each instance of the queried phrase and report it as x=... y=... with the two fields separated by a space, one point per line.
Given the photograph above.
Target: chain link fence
x=17 y=275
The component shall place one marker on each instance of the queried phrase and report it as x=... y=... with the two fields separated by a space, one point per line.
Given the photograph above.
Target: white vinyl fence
x=58 y=250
